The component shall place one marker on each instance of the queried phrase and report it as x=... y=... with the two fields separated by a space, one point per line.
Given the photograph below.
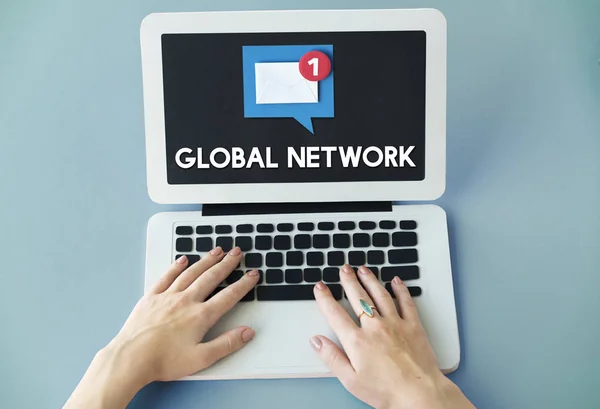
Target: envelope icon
x=282 y=83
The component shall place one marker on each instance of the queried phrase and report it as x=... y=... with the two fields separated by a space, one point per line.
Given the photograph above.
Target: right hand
x=388 y=361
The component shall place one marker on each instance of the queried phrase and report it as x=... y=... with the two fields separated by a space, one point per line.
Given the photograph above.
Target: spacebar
x=292 y=292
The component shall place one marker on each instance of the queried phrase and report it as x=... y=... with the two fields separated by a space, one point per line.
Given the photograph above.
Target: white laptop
x=296 y=130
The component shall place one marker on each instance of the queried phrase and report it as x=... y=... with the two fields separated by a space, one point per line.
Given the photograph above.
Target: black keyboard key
x=357 y=258
x=254 y=260
x=302 y=241
x=387 y=224
x=403 y=256
x=375 y=257
x=282 y=243
x=223 y=229
x=321 y=241
x=346 y=225
x=249 y=296
x=294 y=258
x=408 y=225
x=244 y=228
x=341 y=241
x=404 y=239
x=312 y=275
x=292 y=292
x=234 y=276
x=285 y=227
x=404 y=272
x=192 y=258
x=204 y=244
x=184 y=244
x=306 y=226
x=326 y=226
x=184 y=230
x=331 y=275
x=260 y=275
x=226 y=243
x=204 y=230
x=381 y=240
x=367 y=225
x=263 y=243
x=274 y=260
x=314 y=258
x=244 y=243
x=360 y=240
x=293 y=276
x=414 y=291
x=335 y=258
x=375 y=271
x=264 y=228
x=274 y=276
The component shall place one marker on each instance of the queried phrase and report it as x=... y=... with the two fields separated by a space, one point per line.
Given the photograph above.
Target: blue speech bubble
x=303 y=113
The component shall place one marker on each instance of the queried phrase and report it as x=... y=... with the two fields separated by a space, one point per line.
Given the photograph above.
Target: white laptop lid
x=295 y=106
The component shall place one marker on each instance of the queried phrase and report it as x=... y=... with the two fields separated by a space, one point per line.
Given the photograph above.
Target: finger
x=224 y=345
x=172 y=273
x=408 y=311
x=195 y=270
x=354 y=290
x=332 y=356
x=382 y=298
x=211 y=278
x=334 y=313
x=227 y=298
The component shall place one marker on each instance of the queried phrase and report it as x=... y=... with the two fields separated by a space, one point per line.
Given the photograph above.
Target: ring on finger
x=366 y=309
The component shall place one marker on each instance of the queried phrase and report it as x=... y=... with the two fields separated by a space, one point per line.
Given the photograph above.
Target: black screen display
x=378 y=106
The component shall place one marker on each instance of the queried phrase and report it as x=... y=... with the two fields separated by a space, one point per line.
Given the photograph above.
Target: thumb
x=333 y=357
x=224 y=345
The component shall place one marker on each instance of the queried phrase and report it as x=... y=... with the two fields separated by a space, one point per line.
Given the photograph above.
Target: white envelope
x=282 y=83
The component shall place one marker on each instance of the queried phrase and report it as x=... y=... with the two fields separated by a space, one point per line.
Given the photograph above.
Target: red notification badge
x=315 y=66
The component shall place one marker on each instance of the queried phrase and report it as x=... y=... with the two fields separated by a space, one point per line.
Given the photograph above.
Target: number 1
x=315 y=63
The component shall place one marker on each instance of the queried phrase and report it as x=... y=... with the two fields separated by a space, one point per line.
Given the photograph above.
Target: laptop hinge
x=283 y=208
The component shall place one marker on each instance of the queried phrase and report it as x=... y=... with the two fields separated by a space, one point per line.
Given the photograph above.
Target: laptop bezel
x=431 y=21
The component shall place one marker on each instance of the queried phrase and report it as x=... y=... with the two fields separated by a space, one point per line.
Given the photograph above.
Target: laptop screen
x=294 y=107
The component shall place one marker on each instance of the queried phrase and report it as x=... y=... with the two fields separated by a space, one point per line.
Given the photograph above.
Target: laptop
x=297 y=132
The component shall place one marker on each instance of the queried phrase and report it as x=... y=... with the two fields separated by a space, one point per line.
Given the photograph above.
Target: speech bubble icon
x=306 y=122
x=303 y=113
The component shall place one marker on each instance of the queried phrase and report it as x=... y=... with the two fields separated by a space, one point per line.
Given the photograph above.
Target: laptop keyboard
x=292 y=257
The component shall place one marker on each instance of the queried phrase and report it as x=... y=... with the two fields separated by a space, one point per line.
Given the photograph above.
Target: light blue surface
x=523 y=198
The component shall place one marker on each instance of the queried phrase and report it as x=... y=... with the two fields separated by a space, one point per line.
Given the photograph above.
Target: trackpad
x=283 y=330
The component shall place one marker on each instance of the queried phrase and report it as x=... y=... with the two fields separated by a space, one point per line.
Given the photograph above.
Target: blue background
x=523 y=198
x=303 y=113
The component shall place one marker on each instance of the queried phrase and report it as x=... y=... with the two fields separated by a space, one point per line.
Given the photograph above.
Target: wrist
x=109 y=382
x=435 y=393
x=124 y=366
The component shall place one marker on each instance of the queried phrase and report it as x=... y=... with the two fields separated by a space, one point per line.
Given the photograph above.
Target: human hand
x=163 y=335
x=162 y=338
x=388 y=361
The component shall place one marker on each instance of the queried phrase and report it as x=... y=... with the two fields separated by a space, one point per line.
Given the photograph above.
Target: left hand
x=162 y=338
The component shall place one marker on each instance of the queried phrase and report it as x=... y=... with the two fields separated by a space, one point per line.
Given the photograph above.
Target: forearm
x=107 y=384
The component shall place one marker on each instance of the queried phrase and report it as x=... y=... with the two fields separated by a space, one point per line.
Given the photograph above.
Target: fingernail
x=181 y=260
x=320 y=285
x=347 y=269
x=247 y=335
x=253 y=273
x=397 y=281
x=363 y=270
x=216 y=251
x=316 y=343
x=235 y=251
